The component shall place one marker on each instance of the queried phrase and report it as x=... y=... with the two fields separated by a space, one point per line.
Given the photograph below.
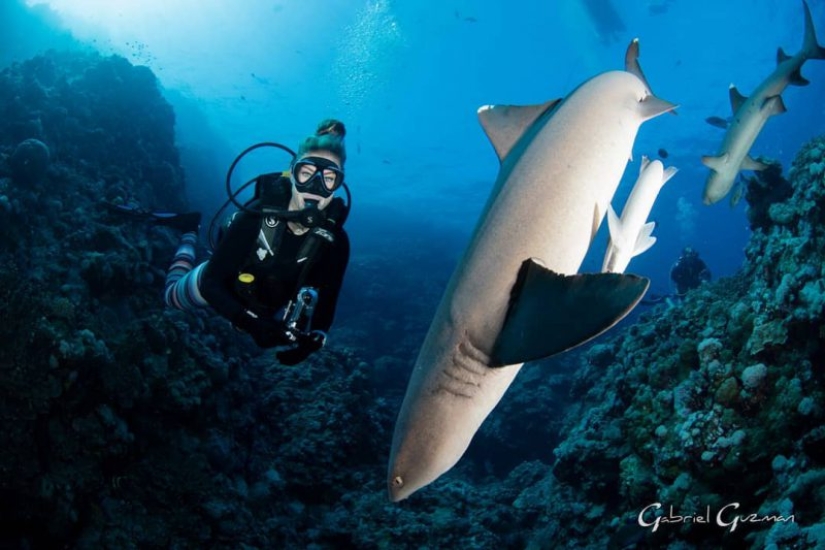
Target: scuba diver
x=278 y=268
x=689 y=272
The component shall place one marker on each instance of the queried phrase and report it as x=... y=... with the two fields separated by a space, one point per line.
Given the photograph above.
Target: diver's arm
x=327 y=276
x=704 y=272
x=226 y=262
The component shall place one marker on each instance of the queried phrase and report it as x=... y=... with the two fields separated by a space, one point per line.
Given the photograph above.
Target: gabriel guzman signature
x=725 y=517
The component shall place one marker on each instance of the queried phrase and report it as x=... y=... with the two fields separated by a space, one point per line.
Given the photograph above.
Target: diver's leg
x=182 y=290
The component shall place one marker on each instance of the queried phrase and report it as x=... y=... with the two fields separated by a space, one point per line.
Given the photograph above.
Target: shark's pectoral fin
x=645 y=163
x=505 y=124
x=716 y=163
x=669 y=172
x=550 y=313
x=645 y=239
x=749 y=163
x=652 y=106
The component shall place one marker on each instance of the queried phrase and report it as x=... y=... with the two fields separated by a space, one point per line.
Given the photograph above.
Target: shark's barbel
x=516 y=296
x=751 y=113
x=630 y=235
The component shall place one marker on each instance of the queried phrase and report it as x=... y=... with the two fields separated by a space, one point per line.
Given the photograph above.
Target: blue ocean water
x=407 y=78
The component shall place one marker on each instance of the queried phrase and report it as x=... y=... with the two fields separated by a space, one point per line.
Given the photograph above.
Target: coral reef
x=717 y=399
x=29 y=161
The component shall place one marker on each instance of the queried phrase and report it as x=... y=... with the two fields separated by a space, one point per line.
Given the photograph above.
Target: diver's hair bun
x=332 y=127
x=329 y=136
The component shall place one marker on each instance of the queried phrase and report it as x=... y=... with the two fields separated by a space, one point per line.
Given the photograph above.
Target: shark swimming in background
x=751 y=113
x=516 y=294
x=631 y=235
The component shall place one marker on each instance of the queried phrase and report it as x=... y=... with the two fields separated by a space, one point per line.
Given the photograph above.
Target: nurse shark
x=516 y=294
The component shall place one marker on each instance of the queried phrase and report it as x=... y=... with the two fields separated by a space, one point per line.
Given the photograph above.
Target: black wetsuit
x=276 y=278
x=688 y=273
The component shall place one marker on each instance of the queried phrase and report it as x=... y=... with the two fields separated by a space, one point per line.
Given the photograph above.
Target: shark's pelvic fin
x=774 y=105
x=505 y=124
x=583 y=306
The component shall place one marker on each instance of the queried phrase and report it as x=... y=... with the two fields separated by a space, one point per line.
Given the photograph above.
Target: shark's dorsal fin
x=583 y=306
x=781 y=56
x=505 y=124
x=736 y=99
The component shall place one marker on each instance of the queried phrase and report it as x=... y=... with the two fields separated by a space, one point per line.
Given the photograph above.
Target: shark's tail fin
x=810 y=50
x=810 y=47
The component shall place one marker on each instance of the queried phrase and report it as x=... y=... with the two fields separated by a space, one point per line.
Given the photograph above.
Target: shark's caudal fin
x=810 y=50
x=810 y=47
x=583 y=306
x=654 y=106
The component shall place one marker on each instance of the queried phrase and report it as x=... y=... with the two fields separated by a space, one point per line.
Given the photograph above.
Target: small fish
x=737 y=194
x=467 y=18
x=717 y=121
x=663 y=153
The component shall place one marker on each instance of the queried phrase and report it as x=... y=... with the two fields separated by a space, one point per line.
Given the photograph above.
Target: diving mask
x=317 y=176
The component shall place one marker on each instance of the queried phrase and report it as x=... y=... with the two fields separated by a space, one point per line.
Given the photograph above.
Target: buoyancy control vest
x=273 y=192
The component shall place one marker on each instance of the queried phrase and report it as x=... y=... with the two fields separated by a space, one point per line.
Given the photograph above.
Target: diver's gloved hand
x=307 y=344
x=266 y=332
